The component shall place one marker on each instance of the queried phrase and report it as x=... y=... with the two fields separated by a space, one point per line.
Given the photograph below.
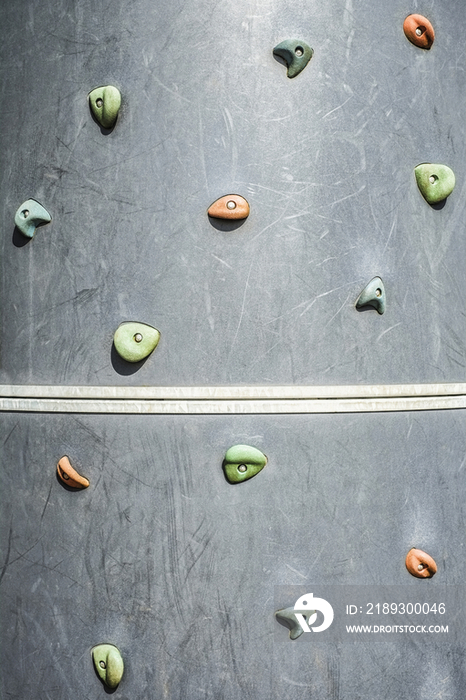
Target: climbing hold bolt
x=420 y=564
x=70 y=476
x=296 y=55
x=242 y=462
x=108 y=664
x=134 y=341
x=373 y=295
x=419 y=31
x=231 y=206
x=435 y=181
x=104 y=103
x=30 y=215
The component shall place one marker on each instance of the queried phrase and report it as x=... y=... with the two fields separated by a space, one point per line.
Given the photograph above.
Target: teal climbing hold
x=287 y=618
x=29 y=216
x=296 y=55
x=373 y=295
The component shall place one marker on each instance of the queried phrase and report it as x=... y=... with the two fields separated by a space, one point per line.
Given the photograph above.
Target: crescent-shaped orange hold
x=420 y=564
x=231 y=206
x=70 y=476
x=419 y=31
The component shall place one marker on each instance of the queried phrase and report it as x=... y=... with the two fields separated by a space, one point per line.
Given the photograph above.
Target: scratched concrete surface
x=326 y=161
x=165 y=559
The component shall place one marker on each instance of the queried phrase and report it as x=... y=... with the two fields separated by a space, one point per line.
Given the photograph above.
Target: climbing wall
x=326 y=161
x=160 y=555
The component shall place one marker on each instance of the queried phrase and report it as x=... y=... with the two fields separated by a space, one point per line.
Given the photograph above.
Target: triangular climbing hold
x=296 y=55
x=29 y=216
x=287 y=618
x=373 y=295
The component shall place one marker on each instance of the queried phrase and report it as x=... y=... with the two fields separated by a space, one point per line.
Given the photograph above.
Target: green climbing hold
x=373 y=295
x=242 y=462
x=105 y=103
x=296 y=55
x=135 y=341
x=435 y=181
x=30 y=215
x=108 y=664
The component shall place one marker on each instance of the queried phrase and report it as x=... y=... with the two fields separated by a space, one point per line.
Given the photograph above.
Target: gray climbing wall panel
x=160 y=555
x=326 y=161
x=165 y=559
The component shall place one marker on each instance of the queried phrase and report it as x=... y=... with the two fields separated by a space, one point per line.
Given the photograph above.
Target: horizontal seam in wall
x=232 y=400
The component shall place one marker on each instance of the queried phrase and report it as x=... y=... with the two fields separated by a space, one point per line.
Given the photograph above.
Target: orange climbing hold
x=420 y=564
x=231 y=206
x=419 y=31
x=70 y=476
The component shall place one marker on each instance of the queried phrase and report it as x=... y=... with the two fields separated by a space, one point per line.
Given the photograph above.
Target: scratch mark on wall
x=222 y=261
x=348 y=196
x=20 y=556
x=126 y=160
x=335 y=108
x=295 y=571
x=7 y=558
x=267 y=227
x=244 y=302
x=10 y=433
x=391 y=231
x=337 y=312
x=292 y=682
x=324 y=294
x=201 y=149
x=386 y=331
x=172 y=92
x=47 y=501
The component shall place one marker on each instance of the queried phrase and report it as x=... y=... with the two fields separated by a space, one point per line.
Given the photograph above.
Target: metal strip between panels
x=232 y=399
